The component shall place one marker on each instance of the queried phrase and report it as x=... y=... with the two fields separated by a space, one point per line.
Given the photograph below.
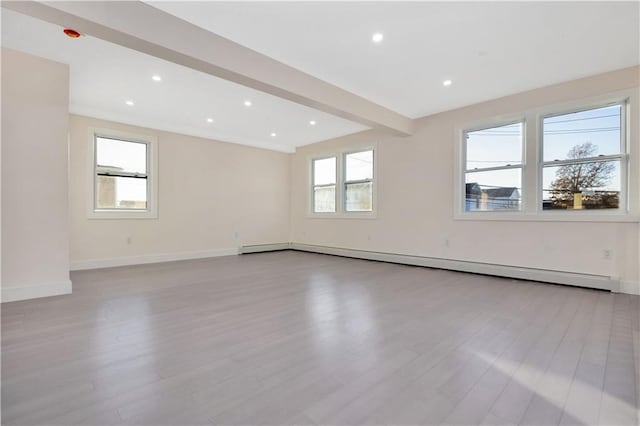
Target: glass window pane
x=582 y=134
x=359 y=166
x=324 y=171
x=495 y=147
x=324 y=199
x=114 y=192
x=117 y=155
x=493 y=190
x=582 y=186
x=358 y=197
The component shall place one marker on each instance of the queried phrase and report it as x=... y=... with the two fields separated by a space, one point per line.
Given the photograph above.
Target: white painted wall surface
x=35 y=225
x=209 y=191
x=415 y=197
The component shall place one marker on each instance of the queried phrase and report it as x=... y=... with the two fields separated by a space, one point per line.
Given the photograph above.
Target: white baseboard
x=558 y=277
x=260 y=248
x=151 y=258
x=15 y=293
x=629 y=287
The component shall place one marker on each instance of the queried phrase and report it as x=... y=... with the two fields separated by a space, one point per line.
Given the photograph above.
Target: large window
x=343 y=184
x=123 y=171
x=564 y=162
x=583 y=159
x=358 y=181
x=493 y=168
x=324 y=185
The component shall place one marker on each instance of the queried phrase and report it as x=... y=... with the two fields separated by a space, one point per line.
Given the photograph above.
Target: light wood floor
x=298 y=338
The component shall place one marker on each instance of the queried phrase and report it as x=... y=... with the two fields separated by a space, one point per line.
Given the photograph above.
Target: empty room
x=320 y=213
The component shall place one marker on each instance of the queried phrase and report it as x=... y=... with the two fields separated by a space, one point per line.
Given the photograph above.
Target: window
x=493 y=168
x=343 y=185
x=358 y=182
x=583 y=159
x=572 y=164
x=324 y=185
x=123 y=169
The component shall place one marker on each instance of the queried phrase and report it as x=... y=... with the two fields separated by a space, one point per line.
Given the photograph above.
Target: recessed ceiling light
x=156 y=78
x=130 y=103
x=209 y=120
x=273 y=135
x=447 y=83
x=377 y=37
x=247 y=103
x=312 y=122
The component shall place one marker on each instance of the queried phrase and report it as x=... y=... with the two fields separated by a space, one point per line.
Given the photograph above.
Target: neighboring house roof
x=505 y=192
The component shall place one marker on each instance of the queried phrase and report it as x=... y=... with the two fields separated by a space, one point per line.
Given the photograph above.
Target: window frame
x=340 y=156
x=623 y=157
x=520 y=166
x=532 y=167
x=314 y=186
x=151 y=212
x=346 y=182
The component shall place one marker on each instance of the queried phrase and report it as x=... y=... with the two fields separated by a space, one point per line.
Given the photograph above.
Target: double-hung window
x=358 y=181
x=493 y=168
x=324 y=185
x=123 y=176
x=575 y=164
x=584 y=159
x=343 y=184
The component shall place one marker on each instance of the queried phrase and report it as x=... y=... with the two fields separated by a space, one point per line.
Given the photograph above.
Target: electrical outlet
x=607 y=254
x=447 y=243
x=128 y=240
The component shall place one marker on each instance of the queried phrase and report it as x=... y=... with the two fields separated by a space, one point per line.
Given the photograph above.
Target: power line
x=581 y=119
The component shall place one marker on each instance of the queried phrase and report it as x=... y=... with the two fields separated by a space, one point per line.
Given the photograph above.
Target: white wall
x=415 y=197
x=208 y=192
x=35 y=225
x=215 y=196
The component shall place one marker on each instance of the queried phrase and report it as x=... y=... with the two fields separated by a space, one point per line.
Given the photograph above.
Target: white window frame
x=533 y=164
x=314 y=185
x=623 y=157
x=151 y=212
x=520 y=166
x=346 y=182
x=341 y=212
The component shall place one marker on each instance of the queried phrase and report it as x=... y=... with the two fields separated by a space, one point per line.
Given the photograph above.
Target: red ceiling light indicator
x=71 y=33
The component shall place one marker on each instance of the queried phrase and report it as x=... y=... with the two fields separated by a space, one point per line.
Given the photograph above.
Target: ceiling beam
x=143 y=28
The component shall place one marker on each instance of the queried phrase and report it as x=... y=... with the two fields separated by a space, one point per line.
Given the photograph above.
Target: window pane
x=493 y=190
x=121 y=193
x=324 y=199
x=582 y=134
x=324 y=171
x=119 y=155
x=359 y=166
x=582 y=186
x=495 y=147
x=359 y=197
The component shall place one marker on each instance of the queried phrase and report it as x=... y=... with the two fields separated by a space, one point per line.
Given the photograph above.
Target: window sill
x=369 y=216
x=549 y=217
x=127 y=214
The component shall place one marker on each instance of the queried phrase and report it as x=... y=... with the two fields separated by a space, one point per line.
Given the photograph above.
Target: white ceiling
x=488 y=49
x=104 y=75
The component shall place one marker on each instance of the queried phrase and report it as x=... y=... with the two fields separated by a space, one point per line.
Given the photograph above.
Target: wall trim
x=532 y=274
x=15 y=293
x=81 y=265
x=629 y=287
x=260 y=248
